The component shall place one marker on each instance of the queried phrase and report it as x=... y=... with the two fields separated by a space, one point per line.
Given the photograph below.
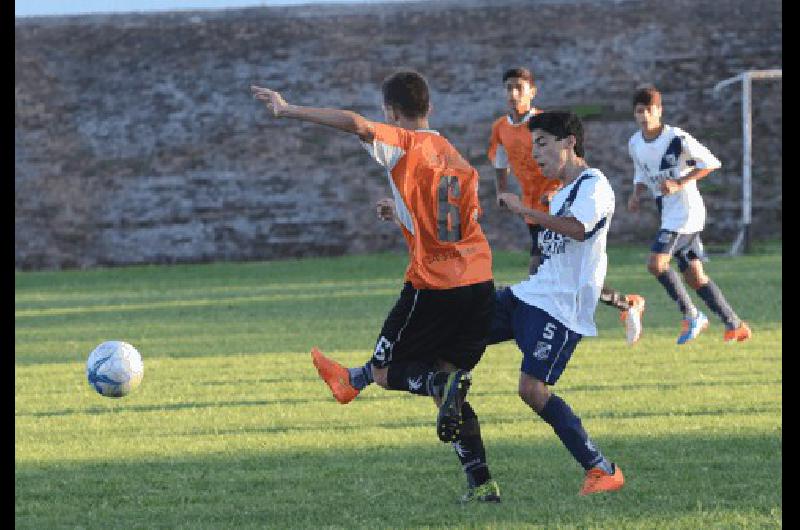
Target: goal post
x=742 y=241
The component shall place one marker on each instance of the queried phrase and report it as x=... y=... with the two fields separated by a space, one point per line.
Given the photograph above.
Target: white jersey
x=673 y=154
x=568 y=283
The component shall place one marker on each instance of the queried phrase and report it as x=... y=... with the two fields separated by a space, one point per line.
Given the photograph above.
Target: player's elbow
x=361 y=127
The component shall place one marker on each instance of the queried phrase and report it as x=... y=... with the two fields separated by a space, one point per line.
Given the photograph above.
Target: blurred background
x=137 y=139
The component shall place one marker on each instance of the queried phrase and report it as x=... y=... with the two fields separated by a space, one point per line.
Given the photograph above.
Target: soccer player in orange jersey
x=511 y=150
x=437 y=331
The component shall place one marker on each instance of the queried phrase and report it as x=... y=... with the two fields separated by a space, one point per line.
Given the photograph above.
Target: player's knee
x=693 y=282
x=534 y=393
x=695 y=277
x=656 y=267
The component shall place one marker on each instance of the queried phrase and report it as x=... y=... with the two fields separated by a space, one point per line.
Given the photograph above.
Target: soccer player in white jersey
x=668 y=162
x=511 y=151
x=549 y=313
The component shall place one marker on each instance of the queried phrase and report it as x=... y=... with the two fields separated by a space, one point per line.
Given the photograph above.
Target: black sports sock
x=717 y=303
x=676 y=290
x=614 y=298
x=470 y=450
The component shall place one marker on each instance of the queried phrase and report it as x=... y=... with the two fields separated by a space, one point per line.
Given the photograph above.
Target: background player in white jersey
x=668 y=162
x=549 y=313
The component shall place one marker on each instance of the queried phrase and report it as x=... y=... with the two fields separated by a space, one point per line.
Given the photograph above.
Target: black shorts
x=437 y=324
x=535 y=230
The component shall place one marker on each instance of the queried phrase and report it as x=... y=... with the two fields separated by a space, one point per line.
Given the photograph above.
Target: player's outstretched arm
x=568 y=226
x=344 y=120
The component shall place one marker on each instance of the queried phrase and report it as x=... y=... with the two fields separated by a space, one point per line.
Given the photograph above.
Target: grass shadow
x=699 y=479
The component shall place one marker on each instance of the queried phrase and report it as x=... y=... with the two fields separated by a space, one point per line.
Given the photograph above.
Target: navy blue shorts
x=684 y=247
x=546 y=344
x=535 y=230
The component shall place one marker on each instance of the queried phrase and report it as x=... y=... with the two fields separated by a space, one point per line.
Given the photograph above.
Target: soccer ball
x=114 y=369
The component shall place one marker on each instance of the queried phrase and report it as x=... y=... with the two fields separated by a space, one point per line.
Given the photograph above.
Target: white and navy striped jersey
x=673 y=154
x=568 y=283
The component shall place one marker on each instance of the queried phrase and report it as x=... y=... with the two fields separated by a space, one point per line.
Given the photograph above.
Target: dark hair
x=560 y=124
x=407 y=92
x=647 y=95
x=520 y=72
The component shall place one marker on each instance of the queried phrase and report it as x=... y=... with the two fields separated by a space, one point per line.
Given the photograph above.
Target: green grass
x=231 y=427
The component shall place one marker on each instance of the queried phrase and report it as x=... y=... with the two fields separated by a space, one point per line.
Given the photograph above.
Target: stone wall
x=137 y=140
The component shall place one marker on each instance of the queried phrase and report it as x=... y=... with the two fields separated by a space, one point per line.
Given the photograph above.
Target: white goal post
x=742 y=242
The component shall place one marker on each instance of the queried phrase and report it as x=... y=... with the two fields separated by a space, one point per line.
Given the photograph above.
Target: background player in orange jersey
x=511 y=150
x=437 y=330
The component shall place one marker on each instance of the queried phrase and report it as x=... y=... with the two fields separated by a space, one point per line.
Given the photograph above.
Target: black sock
x=717 y=303
x=470 y=450
x=676 y=290
x=570 y=431
x=614 y=298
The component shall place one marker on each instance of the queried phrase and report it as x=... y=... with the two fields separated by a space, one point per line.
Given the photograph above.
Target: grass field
x=232 y=429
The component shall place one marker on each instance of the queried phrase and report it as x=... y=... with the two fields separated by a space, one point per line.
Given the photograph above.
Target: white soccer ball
x=114 y=369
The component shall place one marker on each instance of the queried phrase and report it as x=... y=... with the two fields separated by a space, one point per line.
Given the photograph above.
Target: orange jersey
x=436 y=197
x=511 y=145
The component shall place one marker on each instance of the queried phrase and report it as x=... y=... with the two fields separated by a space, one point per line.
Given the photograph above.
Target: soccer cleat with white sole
x=632 y=318
x=692 y=327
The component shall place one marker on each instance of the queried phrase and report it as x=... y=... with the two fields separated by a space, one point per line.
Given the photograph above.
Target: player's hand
x=633 y=203
x=274 y=101
x=510 y=201
x=547 y=197
x=671 y=186
x=385 y=209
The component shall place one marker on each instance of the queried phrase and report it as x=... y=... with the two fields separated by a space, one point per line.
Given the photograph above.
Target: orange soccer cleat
x=740 y=334
x=335 y=375
x=597 y=481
